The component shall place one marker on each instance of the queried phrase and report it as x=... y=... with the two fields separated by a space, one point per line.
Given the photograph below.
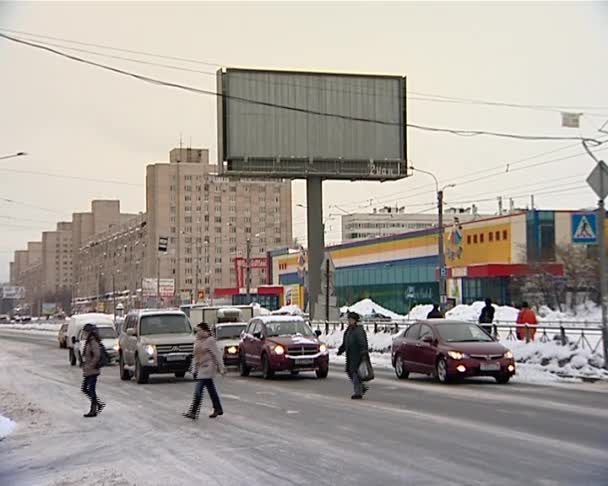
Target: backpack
x=104 y=357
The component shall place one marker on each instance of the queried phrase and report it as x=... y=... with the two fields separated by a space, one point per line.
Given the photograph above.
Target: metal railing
x=582 y=336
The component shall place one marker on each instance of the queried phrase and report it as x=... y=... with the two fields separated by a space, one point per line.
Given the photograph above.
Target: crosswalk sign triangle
x=584 y=230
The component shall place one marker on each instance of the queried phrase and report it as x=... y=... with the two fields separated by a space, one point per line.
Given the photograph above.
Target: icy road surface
x=299 y=431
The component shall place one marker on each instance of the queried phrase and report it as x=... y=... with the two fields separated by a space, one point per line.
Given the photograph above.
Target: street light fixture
x=440 y=235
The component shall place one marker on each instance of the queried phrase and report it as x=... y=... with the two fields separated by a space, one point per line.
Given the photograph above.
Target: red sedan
x=451 y=350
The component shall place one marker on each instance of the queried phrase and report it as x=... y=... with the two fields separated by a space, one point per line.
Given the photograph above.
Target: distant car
x=62 y=337
x=451 y=350
x=155 y=341
x=108 y=337
x=228 y=336
x=282 y=343
x=5 y=318
x=26 y=318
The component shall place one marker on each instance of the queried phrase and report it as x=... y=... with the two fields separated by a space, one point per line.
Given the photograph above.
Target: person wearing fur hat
x=91 y=369
x=355 y=346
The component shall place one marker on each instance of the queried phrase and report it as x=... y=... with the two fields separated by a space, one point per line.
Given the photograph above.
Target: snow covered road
x=294 y=431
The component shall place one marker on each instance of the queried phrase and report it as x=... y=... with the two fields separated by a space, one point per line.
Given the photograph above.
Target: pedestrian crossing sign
x=584 y=228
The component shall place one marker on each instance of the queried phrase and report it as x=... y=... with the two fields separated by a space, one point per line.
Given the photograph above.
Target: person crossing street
x=355 y=346
x=91 y=369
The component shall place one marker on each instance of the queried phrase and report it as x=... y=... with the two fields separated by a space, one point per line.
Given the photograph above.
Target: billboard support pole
x=158 y=281
x=316 y=238
x=601 y=239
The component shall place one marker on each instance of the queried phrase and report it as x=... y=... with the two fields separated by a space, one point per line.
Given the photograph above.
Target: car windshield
x=106 y=333
x=229 y=332
x=462 y=333
x=165 y=324
x=288 y=328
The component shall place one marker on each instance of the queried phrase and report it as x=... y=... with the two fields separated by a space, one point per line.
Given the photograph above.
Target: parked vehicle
x=62 y=335
x=75 y=325
x=155 y=341
x=5 y=318
x=108 y=337
x=451 y=350
x=282 y=343
x=228 y=337
x=217 y=314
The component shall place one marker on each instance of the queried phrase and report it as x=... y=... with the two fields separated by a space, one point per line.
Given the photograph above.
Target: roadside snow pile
x=6 y=426
x=368 y=308
x=33 y=326
x=292 y=310
x=559 y=360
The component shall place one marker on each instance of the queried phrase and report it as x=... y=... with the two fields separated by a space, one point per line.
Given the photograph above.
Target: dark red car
x=450 y=350
x=282 y=343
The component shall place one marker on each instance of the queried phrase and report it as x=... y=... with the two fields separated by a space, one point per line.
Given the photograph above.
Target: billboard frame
x=304 y=167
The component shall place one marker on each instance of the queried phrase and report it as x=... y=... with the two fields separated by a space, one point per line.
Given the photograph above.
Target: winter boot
x=92 y=411
x=100 y=406
x=216 y=413
x=192 y=414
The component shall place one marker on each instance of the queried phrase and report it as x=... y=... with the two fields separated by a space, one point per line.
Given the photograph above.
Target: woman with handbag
x=355 y=346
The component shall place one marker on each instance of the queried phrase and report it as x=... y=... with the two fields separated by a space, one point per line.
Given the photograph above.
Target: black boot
x=100 y=406
x=92 y=411
x=192 y=414
x=216 y=413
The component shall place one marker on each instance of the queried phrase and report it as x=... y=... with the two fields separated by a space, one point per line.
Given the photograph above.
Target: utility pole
x=114 y=297
x=601 y=239
x=442 y=270
x=327 y=282
x=248 y=270
x=158 y=280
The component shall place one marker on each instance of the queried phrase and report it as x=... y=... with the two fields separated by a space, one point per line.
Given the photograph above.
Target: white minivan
x=76 y=324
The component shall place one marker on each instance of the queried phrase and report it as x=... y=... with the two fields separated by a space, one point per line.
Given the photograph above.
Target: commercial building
x=210 y=221
x=388 y=221
x=483 y=259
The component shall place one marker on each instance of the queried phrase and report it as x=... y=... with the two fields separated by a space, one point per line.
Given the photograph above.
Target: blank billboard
x=300 y=124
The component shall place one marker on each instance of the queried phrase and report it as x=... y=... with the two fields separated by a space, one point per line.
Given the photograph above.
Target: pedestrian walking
x=91 y=369
x=487 y=316
x=526 y=316
x=207 y=363
x=355 y=346
x=435 y=313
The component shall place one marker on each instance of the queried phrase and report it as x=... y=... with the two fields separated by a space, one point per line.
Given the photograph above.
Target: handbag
x=366 y=371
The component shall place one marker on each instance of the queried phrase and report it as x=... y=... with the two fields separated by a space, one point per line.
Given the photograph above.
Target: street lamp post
x=12 y=156
x=248 y=266
x=440 y=235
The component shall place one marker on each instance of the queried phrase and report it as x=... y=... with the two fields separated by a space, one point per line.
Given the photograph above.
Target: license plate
x=176 y=357
x=489 y=366
x=305 y=362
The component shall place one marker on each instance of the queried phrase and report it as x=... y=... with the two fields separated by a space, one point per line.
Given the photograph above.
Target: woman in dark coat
x=90 y=369
x=355 y=346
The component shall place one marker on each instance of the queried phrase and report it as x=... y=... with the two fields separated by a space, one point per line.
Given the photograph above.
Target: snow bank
x=368 y=308
x=33 y=326
x=380 y=342
x=293 y=310
x=6 y=426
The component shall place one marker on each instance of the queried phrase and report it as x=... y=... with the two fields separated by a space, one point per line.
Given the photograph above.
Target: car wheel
x=322 y=373
x=244 y=370
x=502 y=379
x=180 y=374
x=71 y=357
x=125 y=375
x=141 y=376
x=441 y=371
x=400 y=370
x=294 y=372
x=266 y=369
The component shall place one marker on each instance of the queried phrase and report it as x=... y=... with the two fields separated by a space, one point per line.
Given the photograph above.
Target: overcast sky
x=77 y=120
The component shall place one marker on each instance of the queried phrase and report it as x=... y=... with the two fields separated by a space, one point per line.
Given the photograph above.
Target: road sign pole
x=601 y=238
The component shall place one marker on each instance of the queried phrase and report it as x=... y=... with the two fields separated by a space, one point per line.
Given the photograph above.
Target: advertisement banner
x=49 y=309
x=167 y=287
x=10 y=292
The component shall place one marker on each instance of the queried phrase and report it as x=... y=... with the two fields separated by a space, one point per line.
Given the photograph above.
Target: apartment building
x=112 y=263
x=57 y=259
x=389 y=221
x=208 y=220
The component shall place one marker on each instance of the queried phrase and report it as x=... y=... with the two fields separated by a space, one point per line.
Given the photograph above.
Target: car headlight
x=150 y=349
x=457 y=355
x=116 y=347
x=231 y=350
x=322 y=348
x=509 y=355
x=279 y=349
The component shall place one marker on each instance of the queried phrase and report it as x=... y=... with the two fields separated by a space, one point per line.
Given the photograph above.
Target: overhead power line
x=65 y=176
x=415 y=95
x=158 y=82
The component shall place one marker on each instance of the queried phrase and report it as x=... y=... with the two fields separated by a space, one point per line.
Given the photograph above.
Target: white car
x=107 y=333
x=76 y=324
x=228 y=337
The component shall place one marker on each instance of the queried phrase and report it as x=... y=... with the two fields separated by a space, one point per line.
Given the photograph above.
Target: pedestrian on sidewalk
x=207 y=363
x=487 y=316
x=435 y=313
x=355 y=346
x=91 y=368
x=526 y=316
